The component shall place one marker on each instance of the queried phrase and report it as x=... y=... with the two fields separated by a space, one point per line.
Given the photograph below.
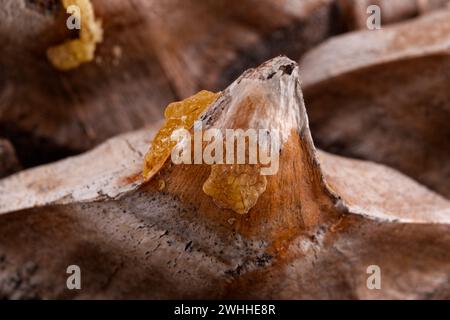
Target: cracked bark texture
x=387 y=98
x=322 y=220
x=153 y=52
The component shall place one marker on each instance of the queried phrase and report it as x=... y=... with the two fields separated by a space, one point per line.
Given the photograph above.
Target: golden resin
x=235 y=187
x=72 y=53
x=179 y=115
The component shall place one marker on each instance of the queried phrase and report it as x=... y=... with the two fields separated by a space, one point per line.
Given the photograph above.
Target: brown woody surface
x=153 y=52
x=384 y=96
x=321 y=222
x=8 y=159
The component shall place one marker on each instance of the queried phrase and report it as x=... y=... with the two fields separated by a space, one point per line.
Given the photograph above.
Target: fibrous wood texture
x=322 y=220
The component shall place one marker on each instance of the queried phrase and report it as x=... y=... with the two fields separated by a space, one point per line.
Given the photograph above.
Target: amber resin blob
x=179 y=115
x=72 y=53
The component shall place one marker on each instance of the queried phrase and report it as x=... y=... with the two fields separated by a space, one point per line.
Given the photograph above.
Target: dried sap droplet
x=235 y=187
x=72 y=53
x=179 y=115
